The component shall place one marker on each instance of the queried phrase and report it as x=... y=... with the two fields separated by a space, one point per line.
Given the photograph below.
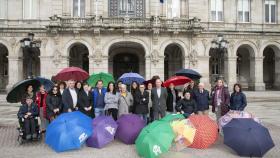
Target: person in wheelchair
x=27 y=114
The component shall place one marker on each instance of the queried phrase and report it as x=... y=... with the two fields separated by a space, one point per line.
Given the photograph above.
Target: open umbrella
x=128 y=78
x=172 y=117
x=184 y=131
x=72 y=73
x=105 y=77
x=48 y=84
x=19 y=89
x=154 y=139
x=206 y=131
x=104 y=131
x=188 y=73
x=247 y=137
x=129 y=127
x=176 y=80
x=68 y=131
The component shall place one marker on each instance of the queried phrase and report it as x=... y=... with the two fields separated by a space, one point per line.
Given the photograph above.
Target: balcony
x=62 y=24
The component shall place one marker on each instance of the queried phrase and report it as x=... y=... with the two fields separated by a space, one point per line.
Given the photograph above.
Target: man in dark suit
x=85 y=101
x=70 y=97
x=159 y=96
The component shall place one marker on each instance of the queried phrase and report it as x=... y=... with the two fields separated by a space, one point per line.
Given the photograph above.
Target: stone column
x=47 y=67
x=277 y=73
x=187 y=62
x=98 y=64
x=15 y=69
x=88 y=7
x=66 y=9
x=256 y=73
x=230 y=71
x=157 y=67
x=148 y=63
x=203 y=68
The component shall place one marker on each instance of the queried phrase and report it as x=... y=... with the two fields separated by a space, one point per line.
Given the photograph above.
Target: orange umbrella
x=206 y=131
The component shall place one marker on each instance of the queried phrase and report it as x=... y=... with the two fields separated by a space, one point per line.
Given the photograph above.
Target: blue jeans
x=143 y=117
x=99 y=112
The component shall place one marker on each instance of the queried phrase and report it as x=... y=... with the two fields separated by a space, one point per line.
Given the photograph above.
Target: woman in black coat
x=54 y=103
x=85 y=101
x=187 y=105
x=170 y=102
x=141 y=101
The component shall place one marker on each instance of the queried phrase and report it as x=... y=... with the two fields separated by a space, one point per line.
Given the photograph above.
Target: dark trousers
x=29 y=125
x=113 y=112
x=158 y=114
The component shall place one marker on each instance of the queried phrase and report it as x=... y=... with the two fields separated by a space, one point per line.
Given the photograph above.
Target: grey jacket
x=111 y=101
x=124 y=103
x=159 y=103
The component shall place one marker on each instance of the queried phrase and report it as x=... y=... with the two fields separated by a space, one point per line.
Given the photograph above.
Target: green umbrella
x=105 y=77
x=172 y=117
x=154 y=139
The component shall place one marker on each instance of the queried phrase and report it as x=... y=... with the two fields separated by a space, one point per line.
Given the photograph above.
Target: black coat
x=67 y=100
x=141 y=102
x=188 y=106
x=53 y=102
x=24 y=109
x=169 y=100
x=84 y=101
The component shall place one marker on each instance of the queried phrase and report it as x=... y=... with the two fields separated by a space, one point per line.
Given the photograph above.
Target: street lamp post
x=28 y=44
x=220 y=46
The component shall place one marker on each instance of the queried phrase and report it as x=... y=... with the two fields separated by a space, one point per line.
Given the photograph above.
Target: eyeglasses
x=142 y=87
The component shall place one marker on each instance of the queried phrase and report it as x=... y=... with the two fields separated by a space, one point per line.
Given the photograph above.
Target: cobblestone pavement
x=268 y=112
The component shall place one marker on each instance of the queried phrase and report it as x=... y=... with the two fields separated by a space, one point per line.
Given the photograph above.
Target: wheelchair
x=22 y=135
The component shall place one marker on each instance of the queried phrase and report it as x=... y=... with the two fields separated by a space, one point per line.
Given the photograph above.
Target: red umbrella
x=176 y=80
x=72 y=73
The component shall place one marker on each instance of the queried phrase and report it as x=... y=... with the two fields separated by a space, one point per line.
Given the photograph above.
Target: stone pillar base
x=257 y=86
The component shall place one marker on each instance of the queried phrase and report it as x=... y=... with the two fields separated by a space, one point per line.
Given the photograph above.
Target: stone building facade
x=143 y=36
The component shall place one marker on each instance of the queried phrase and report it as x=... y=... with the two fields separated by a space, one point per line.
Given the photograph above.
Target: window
x=30 y=9
x=79 y=8
x=270 y=11
x=243 y=10
x=127 y=7
x=173 y=8
x=3 y=9
x=217 y=10
x=133 y=8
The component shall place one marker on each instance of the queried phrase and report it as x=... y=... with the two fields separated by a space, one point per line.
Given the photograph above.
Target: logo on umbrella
x=82 y=137
x=156 y=150
x=111 y=130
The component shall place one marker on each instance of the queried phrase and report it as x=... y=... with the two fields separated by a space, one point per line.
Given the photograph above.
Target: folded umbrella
x=188 y=73
x=19 y=89
x=247 y=137
x=105 y=77
x=155 y=139
x=129 y=127
x=176 y=80
x=71 y=73
x=172 y=117
x=128 y=78
x=206 y=131
x=68 y=131
x=48 y=84
x=104 y=131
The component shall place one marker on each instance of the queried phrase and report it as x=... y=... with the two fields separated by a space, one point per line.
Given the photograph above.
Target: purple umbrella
x=129 y=127
x=104 y=131
x=128 y=78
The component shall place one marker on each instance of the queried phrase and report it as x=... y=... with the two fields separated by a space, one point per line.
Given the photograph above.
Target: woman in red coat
x=41 y=102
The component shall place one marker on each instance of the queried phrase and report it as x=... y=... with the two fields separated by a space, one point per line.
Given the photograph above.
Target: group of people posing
x=150 y=102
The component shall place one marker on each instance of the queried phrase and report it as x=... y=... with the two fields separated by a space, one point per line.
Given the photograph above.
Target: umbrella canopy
x=155 y=139
x=19 y=89
x=48 y=84
x=184 y=131
x=235 y=114
x=68 y=131
x=105 y=77
x=72 y=73
x=128 y=78
x=172 y=117
x=247 y=137
x=176 y=80
x=206 y=131
x=104 y=131
x=188 y=73
x=129 y=127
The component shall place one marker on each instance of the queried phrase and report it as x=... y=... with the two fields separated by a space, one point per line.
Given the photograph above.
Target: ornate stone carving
x=154 y=57
x=258 y=44
x=193 y=58
x=56 y=57
x=13 y=42
x=97 y=57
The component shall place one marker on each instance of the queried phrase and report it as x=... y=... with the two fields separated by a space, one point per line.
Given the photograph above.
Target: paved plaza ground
x=264 y=105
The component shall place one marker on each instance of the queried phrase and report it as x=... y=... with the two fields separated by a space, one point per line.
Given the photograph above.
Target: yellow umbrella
x=184 y=130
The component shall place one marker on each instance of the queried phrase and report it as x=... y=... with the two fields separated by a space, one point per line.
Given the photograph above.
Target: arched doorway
x=173 y=60
x=31 y=62
x=271 y=74
x=216 y=65
x=4 y=67
x=126 y=57
x=78 y=56
x=245 y=65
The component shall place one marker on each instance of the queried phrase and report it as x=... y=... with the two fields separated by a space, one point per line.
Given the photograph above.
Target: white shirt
x=158 y=92
x=74 y=96
x=61 y=91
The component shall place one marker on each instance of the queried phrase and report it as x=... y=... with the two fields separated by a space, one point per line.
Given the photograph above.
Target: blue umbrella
x=48 y=84
x=188 y=73
x=247 y=137
x=128 y=78
x=69 y=131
